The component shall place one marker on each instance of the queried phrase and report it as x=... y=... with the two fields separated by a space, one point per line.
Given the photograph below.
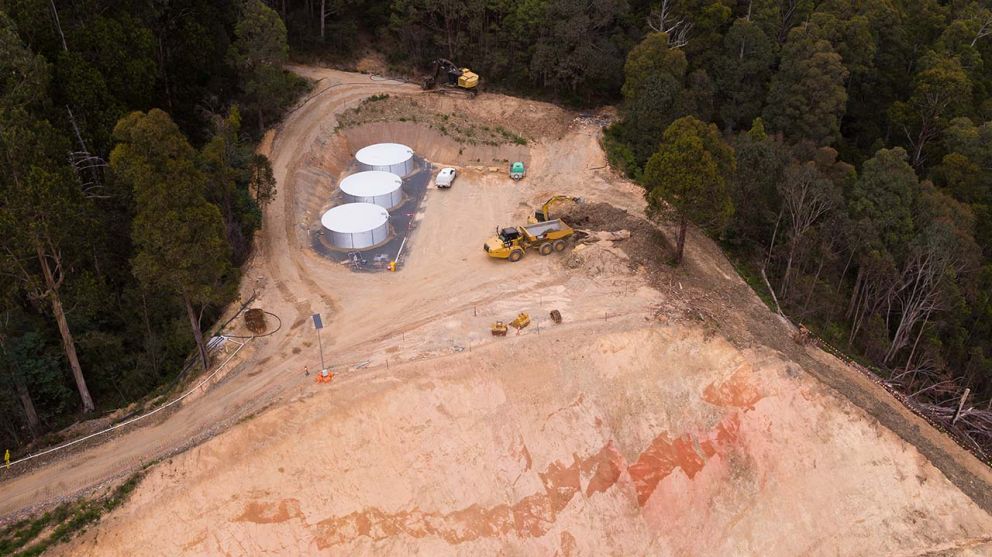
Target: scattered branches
x=87 y=166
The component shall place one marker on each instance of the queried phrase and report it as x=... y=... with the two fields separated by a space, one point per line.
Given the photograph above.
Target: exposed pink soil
x=662 y=418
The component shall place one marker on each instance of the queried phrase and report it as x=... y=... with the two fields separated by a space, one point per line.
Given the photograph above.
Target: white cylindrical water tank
x=356 y=225
x=374 y=186
x=388 y=157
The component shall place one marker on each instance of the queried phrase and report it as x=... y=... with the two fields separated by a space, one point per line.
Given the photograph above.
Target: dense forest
x=842 y=149
x=129 y=192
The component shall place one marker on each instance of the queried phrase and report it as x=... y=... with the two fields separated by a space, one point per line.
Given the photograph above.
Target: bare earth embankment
x=669 y=414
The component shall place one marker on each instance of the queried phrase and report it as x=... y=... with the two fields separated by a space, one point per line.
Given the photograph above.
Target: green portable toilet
x=517 y=170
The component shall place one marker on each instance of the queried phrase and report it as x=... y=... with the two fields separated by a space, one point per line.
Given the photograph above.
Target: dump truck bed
x=539 y=229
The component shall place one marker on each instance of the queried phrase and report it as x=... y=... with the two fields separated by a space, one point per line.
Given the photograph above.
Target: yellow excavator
x=544 y=214
x=453 y=76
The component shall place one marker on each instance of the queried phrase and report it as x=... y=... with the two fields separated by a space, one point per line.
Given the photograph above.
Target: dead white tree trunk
x=806 y=197
x=58 y=25
x=323 y=18
x=661 y=20
x=984 y=30
x=918 y=294
x=53 y=282
x=194 y=323
x=957 y=413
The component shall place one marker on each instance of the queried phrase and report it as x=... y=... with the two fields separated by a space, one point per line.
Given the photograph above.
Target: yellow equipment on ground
x=544 y=214
x=521 y=321
x=498 y=329
x=459 y=78
x=511 y=243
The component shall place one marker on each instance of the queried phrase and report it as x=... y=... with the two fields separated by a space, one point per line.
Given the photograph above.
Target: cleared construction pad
x=669 y=414
x=652 y=441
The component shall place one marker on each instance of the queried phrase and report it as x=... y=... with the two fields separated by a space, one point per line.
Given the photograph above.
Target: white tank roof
x=384 y=154
x=371 y=183
x=352 y=218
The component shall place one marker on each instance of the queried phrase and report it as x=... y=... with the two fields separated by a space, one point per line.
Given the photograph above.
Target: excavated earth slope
x=668 y=415
x=633 y=440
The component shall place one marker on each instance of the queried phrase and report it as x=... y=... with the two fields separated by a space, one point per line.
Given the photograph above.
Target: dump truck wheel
x=516 y=255
x=546 y=249
x=559 y=245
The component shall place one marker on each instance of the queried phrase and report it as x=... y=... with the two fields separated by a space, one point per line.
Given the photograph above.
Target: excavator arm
x=544 y=214
x=440 y=65
x=453 y=76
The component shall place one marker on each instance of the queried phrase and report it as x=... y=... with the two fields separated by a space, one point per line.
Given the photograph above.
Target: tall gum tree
x=807 y=97
x=178 y=234
x=40 y=199
x=689 y=173
x=259 y=50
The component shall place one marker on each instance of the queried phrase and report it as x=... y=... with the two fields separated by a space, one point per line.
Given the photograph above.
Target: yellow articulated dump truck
x=511 y=243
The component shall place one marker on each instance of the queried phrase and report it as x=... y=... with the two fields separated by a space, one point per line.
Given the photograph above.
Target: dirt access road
x=666 y=416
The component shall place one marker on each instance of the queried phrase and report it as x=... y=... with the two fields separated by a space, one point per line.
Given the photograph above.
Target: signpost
x=318 y=324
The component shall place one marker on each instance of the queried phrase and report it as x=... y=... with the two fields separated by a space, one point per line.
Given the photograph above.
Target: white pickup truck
x=445 y=178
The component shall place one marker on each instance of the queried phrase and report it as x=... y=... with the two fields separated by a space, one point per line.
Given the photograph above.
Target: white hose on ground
x=135 y=419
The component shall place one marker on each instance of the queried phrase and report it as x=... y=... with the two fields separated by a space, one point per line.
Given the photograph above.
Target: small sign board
x=317 y=323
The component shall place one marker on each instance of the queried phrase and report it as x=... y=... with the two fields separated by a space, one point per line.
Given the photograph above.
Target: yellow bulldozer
x=499 y=328
x=446 y=73
x=521 y=321
x=511 y=243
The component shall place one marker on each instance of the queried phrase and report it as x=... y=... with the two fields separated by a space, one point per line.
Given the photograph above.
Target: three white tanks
x=364 y=221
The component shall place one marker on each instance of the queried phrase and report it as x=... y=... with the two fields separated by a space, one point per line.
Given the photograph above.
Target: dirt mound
x=431 y=144
x=600 y=258
x=533 y=120
x=647 y=246
x=418 y=110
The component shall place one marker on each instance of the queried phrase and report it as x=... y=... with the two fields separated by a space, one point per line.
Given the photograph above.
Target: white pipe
x=132 y=420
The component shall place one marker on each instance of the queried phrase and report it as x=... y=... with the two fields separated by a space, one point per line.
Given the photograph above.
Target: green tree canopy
x=742 y=73
x=651 y=57
x=760 y=163
x=576 y=47
x=41 y=204
x=941 y=91
x=807 y=96
x=259 y=52
x=654 y=94
x=689 y=173
x=882 y=202
x=178 y=235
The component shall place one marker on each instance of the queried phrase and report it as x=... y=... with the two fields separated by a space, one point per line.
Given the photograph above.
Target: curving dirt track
x=668 y=415
x=269 y=365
